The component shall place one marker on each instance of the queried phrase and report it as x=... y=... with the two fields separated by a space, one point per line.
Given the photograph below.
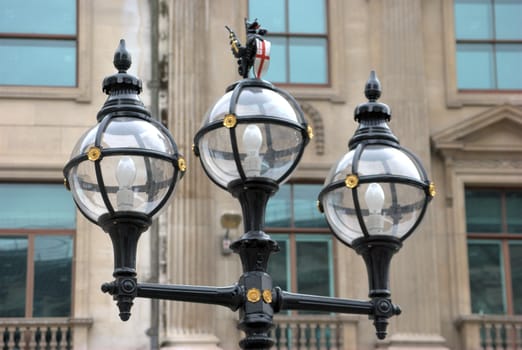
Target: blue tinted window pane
x=473 y=19
x=278 y=211
x=486 y=278
x=475 y=66
x=36 y=206
x=271 y=14
x=314 y=270
x=508 y=19
x=307 y=16
x=305 y=206
x=37 y=62
x=52 y=281
x=279 y=263
x=37 y=16
x=308 y=61
x=514 y=213
x=509 y=66
x=515 y=255
x=13 y=269
x=483 y=211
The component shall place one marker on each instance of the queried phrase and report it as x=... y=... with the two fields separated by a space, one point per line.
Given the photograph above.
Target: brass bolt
x=351 y=181
x=230 y=121
x=94 y=153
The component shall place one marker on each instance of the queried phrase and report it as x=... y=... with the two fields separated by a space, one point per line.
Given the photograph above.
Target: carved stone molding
x=496 y=129
x=488 y=163
x=316 y=120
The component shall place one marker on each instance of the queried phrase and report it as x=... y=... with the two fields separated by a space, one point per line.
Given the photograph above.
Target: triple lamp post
x=124 y=170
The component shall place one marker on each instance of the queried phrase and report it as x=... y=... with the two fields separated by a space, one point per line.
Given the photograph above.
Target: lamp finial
x=121 y=82
x=373 y=89
x=122 y=58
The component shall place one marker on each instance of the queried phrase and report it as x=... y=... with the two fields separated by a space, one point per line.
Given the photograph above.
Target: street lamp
x=375 y=196
x=123 y=171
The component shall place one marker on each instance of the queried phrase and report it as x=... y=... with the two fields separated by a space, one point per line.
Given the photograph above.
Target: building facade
x=450 y=70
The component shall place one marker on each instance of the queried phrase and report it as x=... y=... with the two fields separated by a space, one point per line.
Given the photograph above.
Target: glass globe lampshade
x=377 y=189
x=128 y=162
x=254 y=131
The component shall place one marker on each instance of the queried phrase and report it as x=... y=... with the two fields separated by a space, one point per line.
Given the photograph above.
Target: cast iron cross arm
x=235 y=297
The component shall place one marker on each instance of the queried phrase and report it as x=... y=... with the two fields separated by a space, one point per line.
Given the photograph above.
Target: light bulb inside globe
x=125 y=175
x=252 y=141
x=374 y=197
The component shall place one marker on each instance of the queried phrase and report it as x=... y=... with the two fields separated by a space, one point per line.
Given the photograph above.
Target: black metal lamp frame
x=237 y=89
x=254 y=294
x=378 y=250
x=124 y=227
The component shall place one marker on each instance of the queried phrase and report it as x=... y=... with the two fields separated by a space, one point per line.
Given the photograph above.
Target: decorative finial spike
x=122 y=58
x=373 y=87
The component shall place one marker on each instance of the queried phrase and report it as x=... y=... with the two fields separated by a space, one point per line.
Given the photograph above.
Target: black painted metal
x=254 y=295
x=253 y=195
x=125 y=229
x=372 y=116
x=231 y=297
x=297 y=301
x=123 y=101
x=377 y=252
x=254 y=249
x=256 y=316
x=237 y=88
x=373 y=130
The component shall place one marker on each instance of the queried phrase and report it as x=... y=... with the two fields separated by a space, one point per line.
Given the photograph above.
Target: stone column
x=399 y=53
x=191 y=250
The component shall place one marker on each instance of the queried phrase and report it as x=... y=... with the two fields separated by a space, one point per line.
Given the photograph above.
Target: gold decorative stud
x=230 y=121
x=94 y=153
x=253 y=295
x=182 y=165
x=351 y=181
x=310 y=132
x=319 y=206
x=267 y=296
x=432 y=190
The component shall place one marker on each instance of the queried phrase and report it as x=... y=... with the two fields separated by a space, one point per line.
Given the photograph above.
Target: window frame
x=293 y=234
x=287 y=36
x=503 y=239
x=79 y=244
x=80 y=92
x=30 y=235
x=455 y=97
x=334 y=91
x=291 y=240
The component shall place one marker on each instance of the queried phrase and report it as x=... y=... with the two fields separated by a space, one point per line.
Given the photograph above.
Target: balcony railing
x=42 y=334
x=313 y=332
x=491 y=332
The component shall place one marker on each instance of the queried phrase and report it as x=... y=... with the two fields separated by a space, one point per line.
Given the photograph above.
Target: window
x=38 y=43
x=489 y=44
x=494 y=226
x=305 y=261
x=298 y=32
x=36 y=250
